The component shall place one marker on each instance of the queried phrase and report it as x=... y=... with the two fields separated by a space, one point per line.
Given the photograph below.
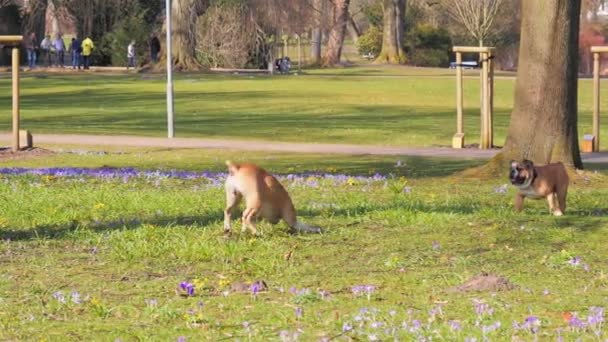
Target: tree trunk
x=184 y=14
x=317 y=34
x=400 y=25
x=390 y=52
x=337 y=33
x=544 y=118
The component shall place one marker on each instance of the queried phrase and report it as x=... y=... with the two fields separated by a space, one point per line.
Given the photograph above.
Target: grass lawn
x=364 y=105
x=101 y=255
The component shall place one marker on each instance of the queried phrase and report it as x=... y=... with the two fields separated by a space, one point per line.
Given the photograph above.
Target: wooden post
x=15 y=71
x=459 y=99
x=491 y=101
x=484 y=101
x=596 y=101
x=299 y=53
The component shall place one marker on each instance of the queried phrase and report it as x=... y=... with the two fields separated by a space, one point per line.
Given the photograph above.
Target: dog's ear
x=232 y=167
x=528 y=164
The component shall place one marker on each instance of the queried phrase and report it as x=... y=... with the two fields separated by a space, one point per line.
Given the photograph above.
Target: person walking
x=154 y=48
x=76 y=51
x=31 y=47
x=131 y=55
x=59 y=45
x=45 y=51
x=87 y=50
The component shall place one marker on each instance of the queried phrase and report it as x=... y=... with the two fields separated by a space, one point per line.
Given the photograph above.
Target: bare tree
x=34 y=17
x=337 y=32
x=393 y=31
x=477 y=16
x=544 y=119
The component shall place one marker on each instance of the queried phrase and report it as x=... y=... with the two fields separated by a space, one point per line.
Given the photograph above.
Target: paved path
x=251 y=145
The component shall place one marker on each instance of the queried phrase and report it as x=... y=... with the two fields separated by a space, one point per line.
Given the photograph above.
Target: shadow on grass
x=582 y=220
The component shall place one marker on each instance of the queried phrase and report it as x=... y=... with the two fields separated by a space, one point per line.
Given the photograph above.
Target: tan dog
x=264 y=197
x=549 y=181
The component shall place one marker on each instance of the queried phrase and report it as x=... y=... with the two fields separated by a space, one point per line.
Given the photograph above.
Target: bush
x=429 y=46
x=116 y=42
x=226 y=37
x=370 y=42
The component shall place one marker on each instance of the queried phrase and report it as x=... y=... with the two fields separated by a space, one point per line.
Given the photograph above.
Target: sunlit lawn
x=364 y=105
x=101 y=256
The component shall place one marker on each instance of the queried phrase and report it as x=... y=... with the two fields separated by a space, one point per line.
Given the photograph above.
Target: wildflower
x=151 y=302
x=346 y=327
x=500 y=189
x=299 y=312
x=76 y=297
x=407 y=189
x=254 y=288
x=188 y=287
x=576 y=261
x=455 y=326
x=181 y=339
x=436 y=246
x=59 y=296
x=546 y=292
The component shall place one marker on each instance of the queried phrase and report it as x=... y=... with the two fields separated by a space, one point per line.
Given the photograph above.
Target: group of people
x=154 y=46
x=51 y=52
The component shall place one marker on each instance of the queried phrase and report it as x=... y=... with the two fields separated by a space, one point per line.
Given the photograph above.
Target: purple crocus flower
x=254 y=288
x=436 y=246
x=188 y=287
x=299 y=312
x=346 y=327
x=455 y=326
x=75 y=296
x=575 y=261
x=59 y=297
x=181 y=339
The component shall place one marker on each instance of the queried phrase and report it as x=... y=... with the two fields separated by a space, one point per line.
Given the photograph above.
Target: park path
x=254 y=145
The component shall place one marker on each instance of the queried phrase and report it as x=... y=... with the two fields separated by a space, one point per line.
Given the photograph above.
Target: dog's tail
x=302 y=227
x=232 y=167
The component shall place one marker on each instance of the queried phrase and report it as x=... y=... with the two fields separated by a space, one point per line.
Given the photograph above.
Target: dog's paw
x=558 y=213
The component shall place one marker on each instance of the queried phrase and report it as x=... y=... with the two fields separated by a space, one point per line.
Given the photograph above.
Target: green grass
x=417 y=109
x=120 y=242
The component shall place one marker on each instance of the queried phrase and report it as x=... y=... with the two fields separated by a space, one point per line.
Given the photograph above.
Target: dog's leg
x=551 y=200
x=249 y=220
x=519 y=202
x=233 y=199
x=562 y=192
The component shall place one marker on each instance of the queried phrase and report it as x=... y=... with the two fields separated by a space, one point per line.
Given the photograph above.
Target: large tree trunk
x=544 y=118
x=390 y=53
x=337 y=33
x=184 y=14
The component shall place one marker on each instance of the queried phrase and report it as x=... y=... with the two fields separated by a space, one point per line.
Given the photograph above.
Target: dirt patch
x=8 y=154
x=484 y=283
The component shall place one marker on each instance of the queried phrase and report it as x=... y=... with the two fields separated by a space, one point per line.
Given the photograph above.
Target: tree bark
x=184 y=14
x=400 y=25
x=337 y=33
x=317 y=33
x=390 y=52
x=544 y=119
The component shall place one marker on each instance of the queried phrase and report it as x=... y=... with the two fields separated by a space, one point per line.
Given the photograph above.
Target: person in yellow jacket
x=87 y=49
